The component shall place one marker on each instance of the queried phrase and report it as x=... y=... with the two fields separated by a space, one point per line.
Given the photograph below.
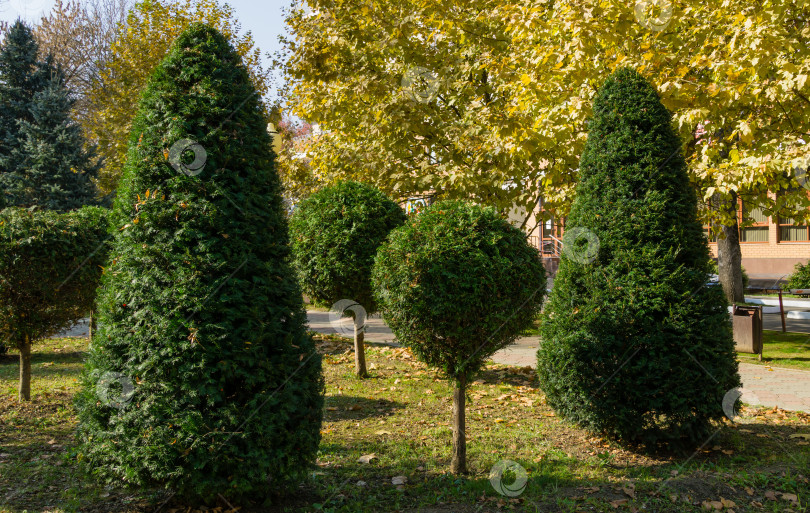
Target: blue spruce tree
x=43 y=160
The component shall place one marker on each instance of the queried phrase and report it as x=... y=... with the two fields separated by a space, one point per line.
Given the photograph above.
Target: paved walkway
x=785 y=388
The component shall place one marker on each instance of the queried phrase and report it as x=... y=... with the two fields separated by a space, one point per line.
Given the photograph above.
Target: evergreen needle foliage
x=43 y=161
x=335 y=234
x=201 y=377
x=456 y=284
x=634 y=344
x=50 y=266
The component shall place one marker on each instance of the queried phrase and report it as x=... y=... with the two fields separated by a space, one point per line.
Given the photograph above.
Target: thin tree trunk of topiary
x=25 y=369
x=91 y=328
x=359 y=350
x=459 y=463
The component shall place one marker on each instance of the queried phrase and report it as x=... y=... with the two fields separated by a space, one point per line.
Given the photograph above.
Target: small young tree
x=335 y=234
x=633 y=342
x=456 y=284
x=50 y=266
x=201 y=376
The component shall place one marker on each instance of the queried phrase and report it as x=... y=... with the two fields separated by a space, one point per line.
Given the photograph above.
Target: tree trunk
x=25 y=370
x=359 y=351
x=459 y=463
x=91 y=329
x=729 y=257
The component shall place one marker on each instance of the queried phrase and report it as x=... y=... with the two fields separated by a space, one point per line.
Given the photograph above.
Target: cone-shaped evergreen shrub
x=456 y=284
x=335 y=234
x=634 y=344
x=201 y=377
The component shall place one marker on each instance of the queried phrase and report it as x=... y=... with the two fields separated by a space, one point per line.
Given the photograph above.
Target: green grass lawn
x=782 y=350
x=401 y=416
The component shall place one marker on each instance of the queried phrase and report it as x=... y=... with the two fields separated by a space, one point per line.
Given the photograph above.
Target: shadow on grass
x=44 y=365
x=515 y=376
x=343 y=407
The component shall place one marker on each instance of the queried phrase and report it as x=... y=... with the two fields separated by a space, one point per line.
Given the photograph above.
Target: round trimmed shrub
x=335 y=234
x=50 y=266
x=456 y=284
x=634 y=344
x=201 y=377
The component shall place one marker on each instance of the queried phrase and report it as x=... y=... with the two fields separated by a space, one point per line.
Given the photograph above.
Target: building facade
x=771 y=247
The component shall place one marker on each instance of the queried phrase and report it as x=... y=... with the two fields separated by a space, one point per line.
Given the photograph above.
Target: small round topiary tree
x=335 y=234
x=634 y=344
x=201 y=377
x=456 y=284
x=50 y=266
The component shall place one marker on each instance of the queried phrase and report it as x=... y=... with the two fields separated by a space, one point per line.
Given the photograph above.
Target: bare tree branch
x=80 y=36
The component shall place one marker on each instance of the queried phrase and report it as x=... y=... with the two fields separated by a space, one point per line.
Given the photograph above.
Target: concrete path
x=773 y=322
x=762 y=386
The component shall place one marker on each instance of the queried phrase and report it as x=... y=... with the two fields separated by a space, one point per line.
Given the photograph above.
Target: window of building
x=709 y=234
x=551 y=232
x=790 y=232
x=757 y=230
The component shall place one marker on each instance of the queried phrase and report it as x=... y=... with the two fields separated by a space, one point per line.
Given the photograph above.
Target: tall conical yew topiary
x=201 y=376
x=634 y=344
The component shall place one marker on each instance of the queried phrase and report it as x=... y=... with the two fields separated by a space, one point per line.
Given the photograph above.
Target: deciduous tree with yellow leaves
x=403 y=92
x=504 y=88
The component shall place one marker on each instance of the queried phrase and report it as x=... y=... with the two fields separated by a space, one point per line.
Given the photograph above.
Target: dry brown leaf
x=790 y=497
x=712 y=505
x=399 y=480
x=619 y=502
x=367 y=458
